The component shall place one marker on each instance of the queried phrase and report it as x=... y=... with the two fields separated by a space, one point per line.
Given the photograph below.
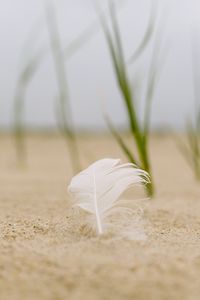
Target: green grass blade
x=120 y=141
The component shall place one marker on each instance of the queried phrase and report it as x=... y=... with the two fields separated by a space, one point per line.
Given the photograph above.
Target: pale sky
x=91 y=80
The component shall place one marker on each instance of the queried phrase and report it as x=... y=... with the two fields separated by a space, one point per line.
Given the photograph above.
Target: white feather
x=97 y=188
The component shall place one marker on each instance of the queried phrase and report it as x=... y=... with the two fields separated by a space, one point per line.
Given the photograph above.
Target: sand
x=46 y=254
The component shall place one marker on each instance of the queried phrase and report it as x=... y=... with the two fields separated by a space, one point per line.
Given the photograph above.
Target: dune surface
x=47 y=252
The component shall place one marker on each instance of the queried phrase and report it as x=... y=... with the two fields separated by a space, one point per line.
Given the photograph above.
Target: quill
x=97 y=188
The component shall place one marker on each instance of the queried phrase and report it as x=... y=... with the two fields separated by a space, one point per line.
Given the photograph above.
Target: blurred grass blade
x=120 y=141
x=157 y=63
x=26 y=75
x=65 y=109
x=147 y=36
x=184 y=150
x=82 y=39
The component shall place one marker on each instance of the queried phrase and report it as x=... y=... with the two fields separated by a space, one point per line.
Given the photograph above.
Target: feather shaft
x=98 y=219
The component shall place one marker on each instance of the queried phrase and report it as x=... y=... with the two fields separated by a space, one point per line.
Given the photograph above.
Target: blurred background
x=91 y=84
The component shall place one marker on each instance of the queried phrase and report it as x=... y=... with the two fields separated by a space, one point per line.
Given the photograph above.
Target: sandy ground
x=46 y=255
